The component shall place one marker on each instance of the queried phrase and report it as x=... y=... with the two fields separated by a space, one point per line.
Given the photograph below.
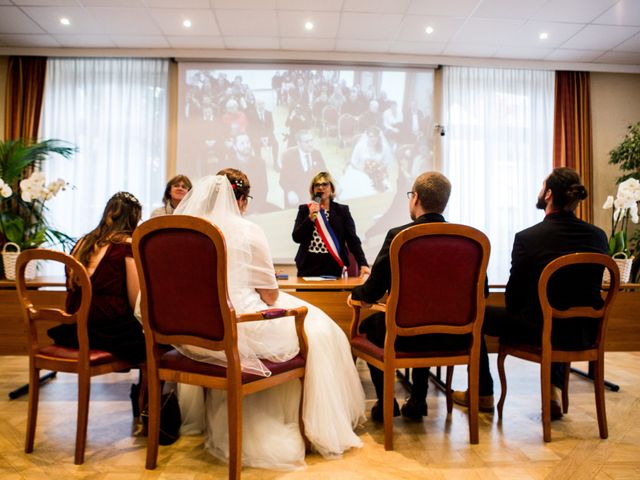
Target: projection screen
x=371 y=128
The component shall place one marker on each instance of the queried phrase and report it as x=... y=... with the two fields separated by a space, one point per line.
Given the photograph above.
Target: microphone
x=316 y=198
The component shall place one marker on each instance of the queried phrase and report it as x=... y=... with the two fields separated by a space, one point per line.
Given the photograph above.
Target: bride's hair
x=238 y=180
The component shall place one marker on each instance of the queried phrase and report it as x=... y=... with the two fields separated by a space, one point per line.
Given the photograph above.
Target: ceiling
x=585 y=31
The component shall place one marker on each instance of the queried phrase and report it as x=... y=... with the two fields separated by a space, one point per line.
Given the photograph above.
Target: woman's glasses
x=320 y=184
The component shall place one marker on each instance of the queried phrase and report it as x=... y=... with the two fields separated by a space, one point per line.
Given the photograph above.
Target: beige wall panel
x=615 y=104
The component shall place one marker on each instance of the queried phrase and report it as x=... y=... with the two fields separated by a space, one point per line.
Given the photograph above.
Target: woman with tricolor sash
x=326 y=233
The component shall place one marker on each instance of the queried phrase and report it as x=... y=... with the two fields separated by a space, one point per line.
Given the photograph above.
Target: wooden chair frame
x=391 y=362
x=546 y=354
x=78 y=361
x=232 y=383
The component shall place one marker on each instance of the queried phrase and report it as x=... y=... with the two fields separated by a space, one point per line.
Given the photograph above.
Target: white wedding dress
x=333 y=404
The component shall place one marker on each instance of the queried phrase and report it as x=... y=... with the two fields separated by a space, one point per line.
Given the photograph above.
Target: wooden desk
x=329 y=295
x=12 y=335
x=623 y=333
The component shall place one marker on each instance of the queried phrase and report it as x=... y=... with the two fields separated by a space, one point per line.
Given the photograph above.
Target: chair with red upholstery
x=329 y=120
x=83 y=361
x=438 y=273
x=185 y=301
x=545 y=354
x=347 y=129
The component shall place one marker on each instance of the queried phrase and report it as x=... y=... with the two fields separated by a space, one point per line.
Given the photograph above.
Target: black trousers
x=375 y=330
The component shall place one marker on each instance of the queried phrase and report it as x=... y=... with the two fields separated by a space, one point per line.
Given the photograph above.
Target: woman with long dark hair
x=106 y=254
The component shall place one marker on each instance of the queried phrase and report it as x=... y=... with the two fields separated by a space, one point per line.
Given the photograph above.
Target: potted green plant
x=625 y=207
x=24 y=192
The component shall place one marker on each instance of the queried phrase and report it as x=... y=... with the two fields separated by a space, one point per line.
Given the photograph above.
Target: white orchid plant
x=624 y=208
x=24 y=191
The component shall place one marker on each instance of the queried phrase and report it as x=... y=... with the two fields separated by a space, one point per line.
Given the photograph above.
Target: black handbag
x=170 y=418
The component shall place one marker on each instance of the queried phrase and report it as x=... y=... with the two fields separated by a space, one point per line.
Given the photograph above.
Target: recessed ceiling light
x=187 y=24
x=544 y=36
x=429 y=30
x=65 y=21
x=308 y=25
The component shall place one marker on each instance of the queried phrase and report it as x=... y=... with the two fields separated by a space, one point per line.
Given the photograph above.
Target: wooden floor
x=436 y=448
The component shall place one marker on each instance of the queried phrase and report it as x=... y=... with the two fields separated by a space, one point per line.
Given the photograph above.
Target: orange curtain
x=24 y=92
x=572 y=144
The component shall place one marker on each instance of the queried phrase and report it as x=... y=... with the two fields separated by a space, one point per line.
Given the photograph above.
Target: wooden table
x=623 y=334
x=328 y=295
x=12 y=334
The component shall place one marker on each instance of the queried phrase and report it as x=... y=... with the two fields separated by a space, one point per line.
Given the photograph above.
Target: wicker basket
x=624 y=265
x=9 y=262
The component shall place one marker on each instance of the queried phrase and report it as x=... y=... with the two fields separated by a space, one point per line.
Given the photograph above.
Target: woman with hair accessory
x=333 y=396
x=174 y=192
x=326 y=233
x=106 y=254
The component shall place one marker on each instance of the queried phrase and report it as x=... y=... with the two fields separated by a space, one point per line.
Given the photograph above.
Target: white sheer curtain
x=497 y=150
x=115 y=112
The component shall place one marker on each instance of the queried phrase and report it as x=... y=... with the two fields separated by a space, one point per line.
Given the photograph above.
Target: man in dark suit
x=560 y=233
x=299 y=164
x=427 y=200
x=261 y=131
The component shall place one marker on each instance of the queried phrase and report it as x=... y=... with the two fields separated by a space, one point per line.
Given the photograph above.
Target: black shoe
x=414 y=409
x=376 y=411
x=556 y=410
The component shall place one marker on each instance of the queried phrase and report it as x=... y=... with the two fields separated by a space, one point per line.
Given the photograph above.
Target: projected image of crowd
x=284 y=126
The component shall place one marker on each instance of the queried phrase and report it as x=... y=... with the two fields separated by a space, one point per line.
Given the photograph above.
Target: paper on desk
x=318 y=279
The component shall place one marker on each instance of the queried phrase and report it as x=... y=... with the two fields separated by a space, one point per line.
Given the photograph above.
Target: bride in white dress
x=333 y=403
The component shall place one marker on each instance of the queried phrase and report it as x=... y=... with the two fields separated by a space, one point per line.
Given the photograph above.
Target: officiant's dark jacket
x=342 y=225
x=558 y=234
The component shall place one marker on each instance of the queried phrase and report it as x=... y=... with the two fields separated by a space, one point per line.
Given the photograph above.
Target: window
x=115 y=112
x=497 y=150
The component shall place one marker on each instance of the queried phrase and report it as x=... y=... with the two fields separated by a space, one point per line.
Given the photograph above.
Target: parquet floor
x=437 y=448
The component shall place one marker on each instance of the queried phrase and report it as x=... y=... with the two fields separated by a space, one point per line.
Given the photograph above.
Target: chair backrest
x=585 y=268
x=330 y=115
x=438 y=273
x=32 y=313
x=353 y=270
x=347 y=124
x=181 y=262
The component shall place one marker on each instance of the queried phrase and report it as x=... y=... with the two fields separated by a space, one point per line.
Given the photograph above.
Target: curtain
x=572 y=146
x=497 y=151
x=115 y=112
x=23 y=93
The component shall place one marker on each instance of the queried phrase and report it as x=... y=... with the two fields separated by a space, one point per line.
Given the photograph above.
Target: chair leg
x=234 y=413
x=565 y=388
x=84 y=391
x=307 y=443
x=503 y=382
x=32 y=411
x=545 y=387
x=153 y=422
x=448 y=392
x=598 y=386
x=387 y=408
x=473 y=383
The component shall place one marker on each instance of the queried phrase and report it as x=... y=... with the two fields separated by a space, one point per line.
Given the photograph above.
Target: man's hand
x=364 y=271
x=362 y=303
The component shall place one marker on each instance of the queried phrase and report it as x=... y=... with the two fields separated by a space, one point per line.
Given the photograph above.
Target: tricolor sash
x=328 y=237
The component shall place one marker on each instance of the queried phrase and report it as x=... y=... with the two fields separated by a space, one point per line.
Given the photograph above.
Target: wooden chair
x=347 y=129
x=438 y=273
x=83 y=361
x=182 y=265
x=329 y=121
x=546 y=353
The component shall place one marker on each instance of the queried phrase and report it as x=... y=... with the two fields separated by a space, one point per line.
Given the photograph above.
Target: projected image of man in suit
x=297 y=164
